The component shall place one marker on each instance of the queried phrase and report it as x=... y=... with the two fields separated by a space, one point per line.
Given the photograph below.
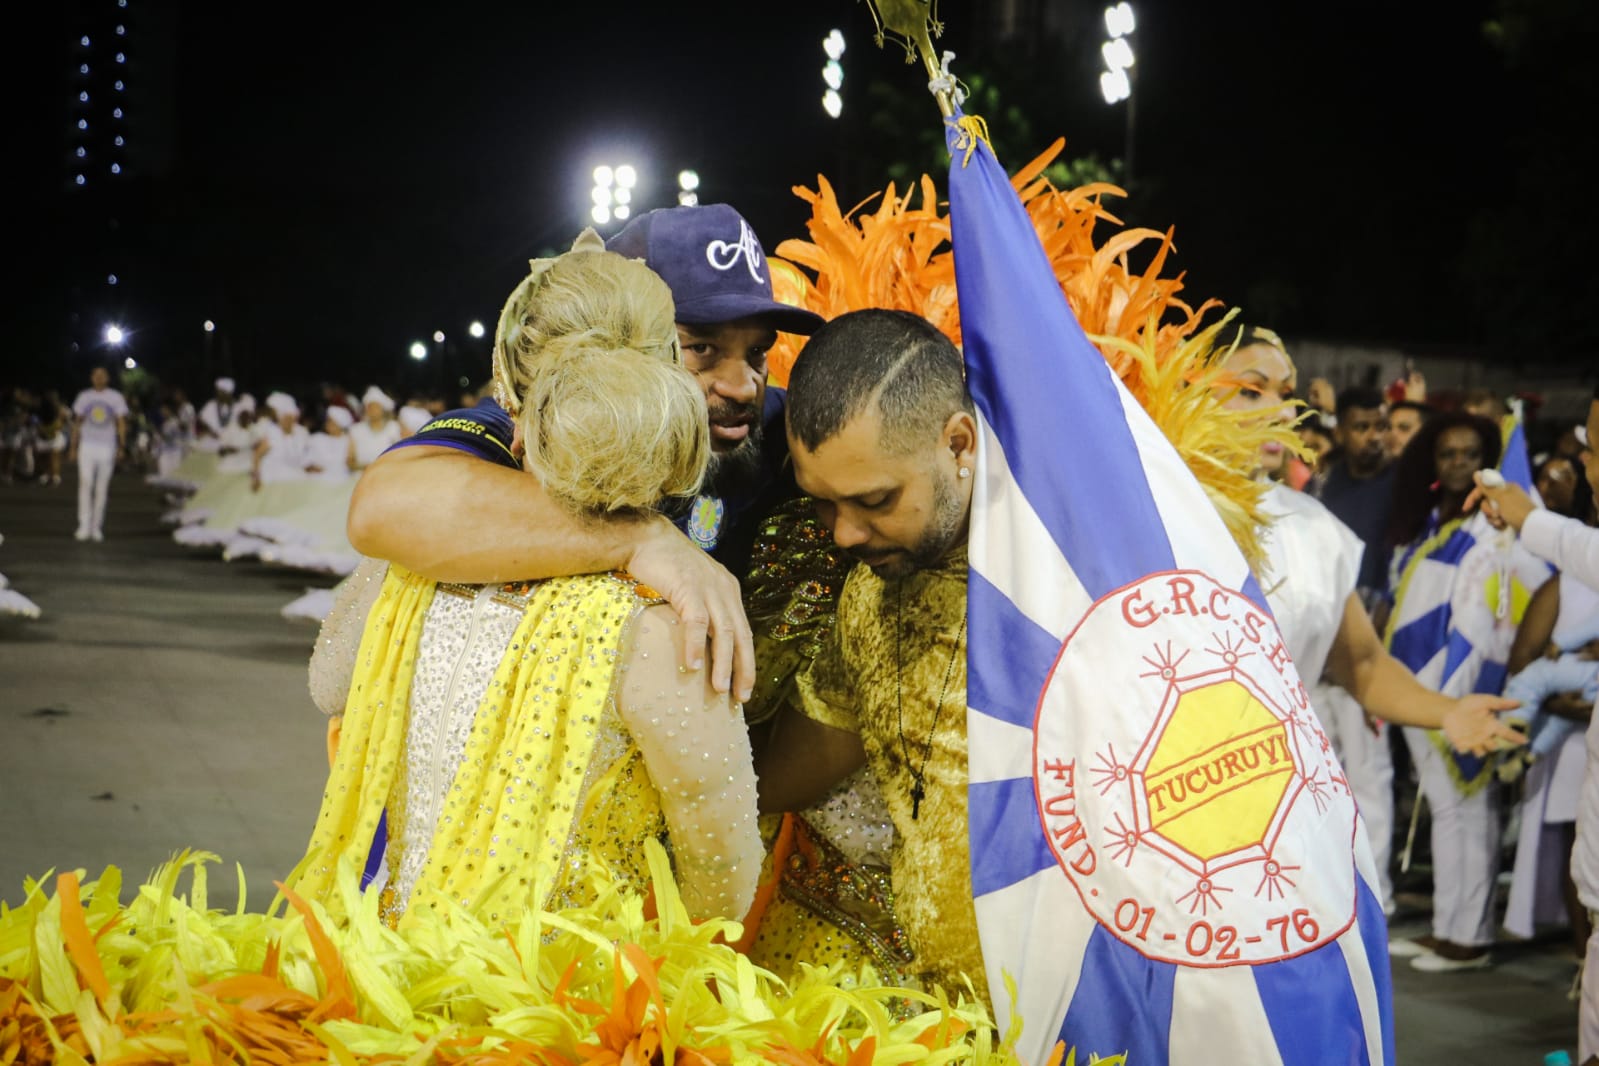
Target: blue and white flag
x=1166 y=859
x=1515 y=464
x=1460 y=591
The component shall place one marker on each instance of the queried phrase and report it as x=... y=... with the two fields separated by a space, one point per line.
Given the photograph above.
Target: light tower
x=833 y=74
x=1116 y=80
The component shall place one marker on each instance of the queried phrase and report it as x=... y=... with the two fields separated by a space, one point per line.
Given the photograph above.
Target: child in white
x=97 y=438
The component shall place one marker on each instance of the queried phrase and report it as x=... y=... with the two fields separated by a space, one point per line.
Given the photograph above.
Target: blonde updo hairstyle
x=587 y=359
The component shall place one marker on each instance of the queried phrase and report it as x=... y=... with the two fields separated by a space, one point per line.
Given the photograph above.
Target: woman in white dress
x=219 y=475
x=273 y=484
x=329 y=449
x=236 y=442
x=309 y=535
x=370 y=437
x=1313 y=560
x=282 y=450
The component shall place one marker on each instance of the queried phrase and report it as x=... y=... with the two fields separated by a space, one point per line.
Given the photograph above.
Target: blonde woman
x=497 y=742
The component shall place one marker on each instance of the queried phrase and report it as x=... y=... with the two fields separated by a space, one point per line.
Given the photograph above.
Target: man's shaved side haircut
x=894 y=360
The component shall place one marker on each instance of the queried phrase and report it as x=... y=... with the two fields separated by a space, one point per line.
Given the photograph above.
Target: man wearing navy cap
x=451 y=503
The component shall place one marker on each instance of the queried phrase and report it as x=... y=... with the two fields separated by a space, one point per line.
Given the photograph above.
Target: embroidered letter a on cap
x=725 y=256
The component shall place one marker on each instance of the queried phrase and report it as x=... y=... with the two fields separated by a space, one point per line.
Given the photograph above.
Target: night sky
x=329 y=186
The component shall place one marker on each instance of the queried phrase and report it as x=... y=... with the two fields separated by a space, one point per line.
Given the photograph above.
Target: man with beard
x=884 y=437
x=433 y=505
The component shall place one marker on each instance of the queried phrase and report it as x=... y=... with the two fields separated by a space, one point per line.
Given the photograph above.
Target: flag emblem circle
x=1203 y=818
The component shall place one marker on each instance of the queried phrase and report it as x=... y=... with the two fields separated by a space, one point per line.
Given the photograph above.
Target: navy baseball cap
x=711 y=260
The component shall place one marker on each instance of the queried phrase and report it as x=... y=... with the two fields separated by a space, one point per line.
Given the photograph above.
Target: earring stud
x=965 y=472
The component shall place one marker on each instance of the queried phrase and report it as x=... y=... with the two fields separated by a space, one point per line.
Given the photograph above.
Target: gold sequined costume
x=897 y=648
x=492 y=726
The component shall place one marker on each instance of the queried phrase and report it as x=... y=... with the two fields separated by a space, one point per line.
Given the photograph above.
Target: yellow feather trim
x=166 y=979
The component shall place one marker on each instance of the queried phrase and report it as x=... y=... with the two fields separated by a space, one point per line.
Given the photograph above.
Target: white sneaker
x=82 y=534
x=1431 y=963
x=97 y=535
x=1407 y=949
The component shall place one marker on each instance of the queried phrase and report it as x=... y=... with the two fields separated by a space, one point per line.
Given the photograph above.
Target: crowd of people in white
x=269 y=480
x=265 y=481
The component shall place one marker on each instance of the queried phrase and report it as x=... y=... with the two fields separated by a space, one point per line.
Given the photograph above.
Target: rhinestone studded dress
x=487 y=725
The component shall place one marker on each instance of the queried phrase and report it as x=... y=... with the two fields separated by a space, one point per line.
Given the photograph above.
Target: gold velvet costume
x=893 y=647
x=485 y=723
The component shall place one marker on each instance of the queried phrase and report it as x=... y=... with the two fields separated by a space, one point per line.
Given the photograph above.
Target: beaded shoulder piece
x=791 y=599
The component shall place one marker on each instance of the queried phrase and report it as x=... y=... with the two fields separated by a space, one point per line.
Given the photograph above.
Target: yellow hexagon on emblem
x=1217 y=770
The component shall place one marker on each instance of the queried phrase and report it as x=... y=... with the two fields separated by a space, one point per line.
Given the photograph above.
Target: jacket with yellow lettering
x=484 y=431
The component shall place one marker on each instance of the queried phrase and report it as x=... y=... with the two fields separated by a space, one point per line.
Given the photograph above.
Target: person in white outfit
x=1313 y=562
x=188 y=418
x=217 y=414
x=1573 y=548
x=98 y=437
x=328 y=452
x=413 y=416
x=374 y=435
x=282 y=446
x=1456 y=587
x=236 y=442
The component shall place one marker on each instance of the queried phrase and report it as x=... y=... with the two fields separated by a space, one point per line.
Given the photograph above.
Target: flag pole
x=1410 y=837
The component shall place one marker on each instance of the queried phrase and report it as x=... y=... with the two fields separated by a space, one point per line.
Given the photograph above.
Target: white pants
x=95 y=464
x=1465 y=849
x=1369 y=768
